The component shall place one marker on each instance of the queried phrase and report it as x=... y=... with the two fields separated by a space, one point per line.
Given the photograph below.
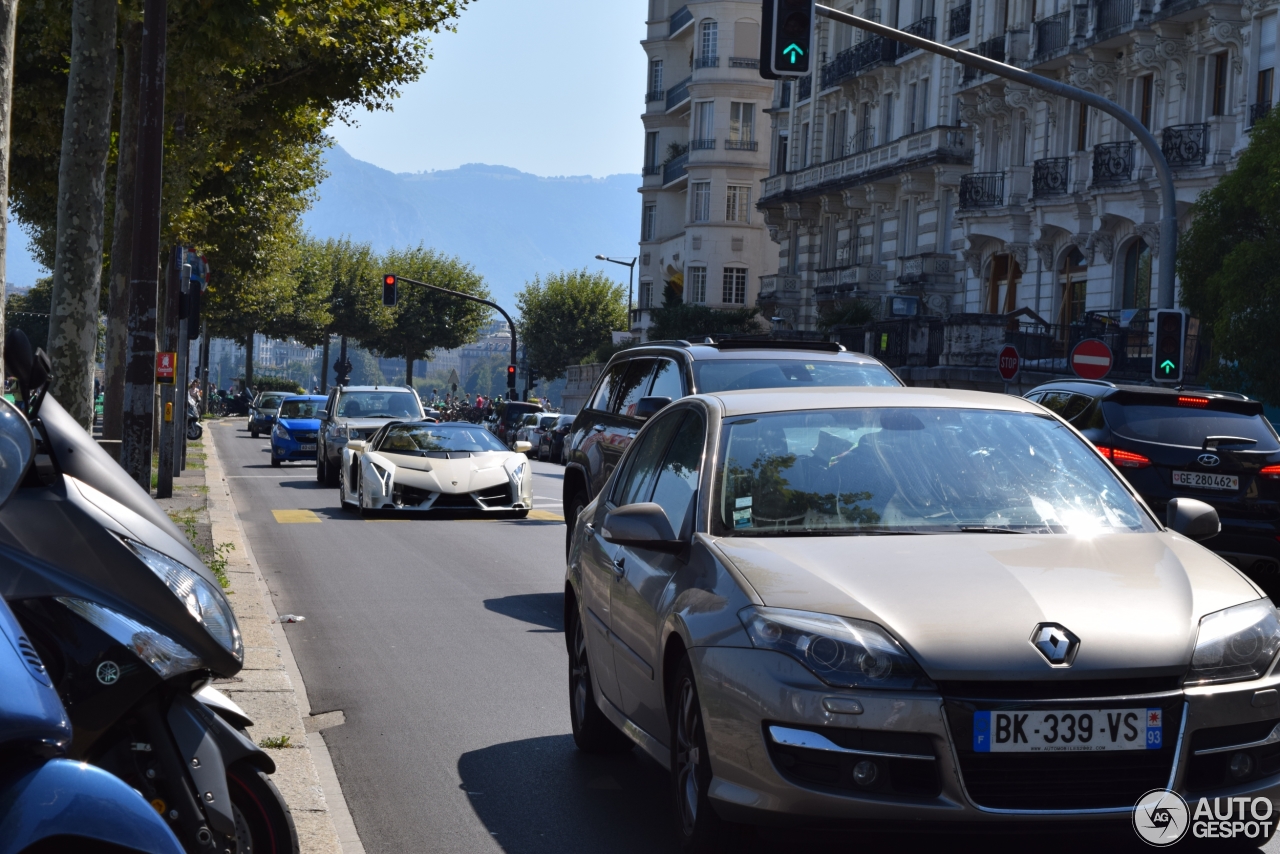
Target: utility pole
x=1169 y=215
x=140 y=364
x=183 y=367
x=168 y=407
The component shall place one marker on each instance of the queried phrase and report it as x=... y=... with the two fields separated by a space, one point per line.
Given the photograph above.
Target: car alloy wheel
x=320 y=464
x=701 y=829
x=687 y=755
x=592 y=731
x=576 y=505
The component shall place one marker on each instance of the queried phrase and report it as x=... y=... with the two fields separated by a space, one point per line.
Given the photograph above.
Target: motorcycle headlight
x=204 y=602
x=166 y=656
x=840 y=651
x=1236 y=644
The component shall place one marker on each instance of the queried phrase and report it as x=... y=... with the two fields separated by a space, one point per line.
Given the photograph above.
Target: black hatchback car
x=1213 y=446
x=639 y=382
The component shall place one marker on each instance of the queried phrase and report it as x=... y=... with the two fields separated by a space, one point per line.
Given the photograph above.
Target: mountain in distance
x=508 y=224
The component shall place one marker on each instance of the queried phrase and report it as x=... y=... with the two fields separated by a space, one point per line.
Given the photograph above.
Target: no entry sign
x=1091 y=359
x=1009 y=363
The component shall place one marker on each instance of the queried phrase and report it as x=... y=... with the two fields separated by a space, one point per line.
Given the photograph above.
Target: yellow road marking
x=295 y=517
x=545 y=516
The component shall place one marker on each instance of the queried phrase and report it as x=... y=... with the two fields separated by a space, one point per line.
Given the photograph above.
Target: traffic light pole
x=511 y=380
x=1169 y=218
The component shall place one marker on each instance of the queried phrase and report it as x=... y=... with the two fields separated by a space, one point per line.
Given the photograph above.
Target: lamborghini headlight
x=1235 y=644
x=166 y=656
x=204 y=602
x=840 y=651
x=385 y=479
x=517 y=473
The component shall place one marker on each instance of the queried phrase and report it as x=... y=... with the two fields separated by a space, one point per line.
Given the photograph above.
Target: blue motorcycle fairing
x=63 y=798
x=30 y=711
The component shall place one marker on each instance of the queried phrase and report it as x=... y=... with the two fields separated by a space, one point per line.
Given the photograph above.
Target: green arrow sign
x=793 y=51
x=1167 y=366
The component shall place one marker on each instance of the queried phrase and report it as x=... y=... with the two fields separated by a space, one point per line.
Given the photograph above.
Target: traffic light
x=511 y=376
x=787 y=40
x=390 y=291
x=1166 y=358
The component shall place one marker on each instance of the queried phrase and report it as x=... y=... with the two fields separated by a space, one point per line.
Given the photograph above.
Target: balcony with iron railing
x=655 y=95
x=1112 y=163
x=707 y=62
x=959 y=20
x=935 y=145
x=924 y=28
x=741 y=145
x=981 y=190
x=702 y=144
x=1113 y=15
x=743 y=62
x=991 y=49
x=1049 y=177
x=652 y=169
x=1258 y=111
x=1052 y=34
x=681 y=19
x=851 y=62
x=1185 y=145
x=675 y=169
x=678 y=94
x=804 y=89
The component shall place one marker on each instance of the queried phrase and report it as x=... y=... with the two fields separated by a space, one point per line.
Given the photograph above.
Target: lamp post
x=631 y=275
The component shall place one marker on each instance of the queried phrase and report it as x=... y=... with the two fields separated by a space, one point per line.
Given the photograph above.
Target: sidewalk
x=269 y=688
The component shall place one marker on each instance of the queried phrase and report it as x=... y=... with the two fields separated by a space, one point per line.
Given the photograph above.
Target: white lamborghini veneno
x=419 y=466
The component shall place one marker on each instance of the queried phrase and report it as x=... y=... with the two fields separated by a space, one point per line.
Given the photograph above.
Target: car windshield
x=855 y=471
x=270 y=401
x=301 y=408
x=378 y=404
x=740 y=374
x=422 y=439
x=1174 y=425
x=565 y=420
x=546 y=421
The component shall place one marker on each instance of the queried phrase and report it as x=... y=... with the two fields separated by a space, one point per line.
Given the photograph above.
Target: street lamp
x=631 y=267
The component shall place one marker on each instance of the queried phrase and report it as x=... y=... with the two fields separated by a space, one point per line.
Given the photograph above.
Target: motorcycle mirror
x=17 y=448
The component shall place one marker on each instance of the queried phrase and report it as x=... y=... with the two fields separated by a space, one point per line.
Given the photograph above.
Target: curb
x=270 y=688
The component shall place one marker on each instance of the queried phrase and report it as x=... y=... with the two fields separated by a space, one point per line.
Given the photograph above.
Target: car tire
x=253 y=433
x=592 y=731
x=573 y=508
x=331 y=472
x=320 y=464
x=700 y=830
x=520 y=514
x=275 y=462
x=360 y=508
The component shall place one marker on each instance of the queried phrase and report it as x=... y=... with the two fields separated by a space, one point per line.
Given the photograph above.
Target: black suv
x=640 y=381
x=1213 y=446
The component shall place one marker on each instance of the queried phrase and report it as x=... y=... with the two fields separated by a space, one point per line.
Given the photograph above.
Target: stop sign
x=1091 y=359
x=1009 y=363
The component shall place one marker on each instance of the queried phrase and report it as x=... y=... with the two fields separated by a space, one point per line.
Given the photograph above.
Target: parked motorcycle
x=133 y=628
x=194 y=428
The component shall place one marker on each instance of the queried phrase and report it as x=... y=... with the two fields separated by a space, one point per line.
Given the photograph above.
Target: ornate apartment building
x=706 y=152
x=903 y=173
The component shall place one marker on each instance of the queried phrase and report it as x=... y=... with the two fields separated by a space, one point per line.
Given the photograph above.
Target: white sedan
x=419 y=466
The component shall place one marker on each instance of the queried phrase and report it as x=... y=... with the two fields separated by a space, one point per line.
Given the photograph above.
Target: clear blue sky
x=550 y=87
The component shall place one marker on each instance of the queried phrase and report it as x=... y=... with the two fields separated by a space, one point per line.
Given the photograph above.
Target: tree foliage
x=695 y=322
x=567 y=316
x=1229 y=265
x=29 y=311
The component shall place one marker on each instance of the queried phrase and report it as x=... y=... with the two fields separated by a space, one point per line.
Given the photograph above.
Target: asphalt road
x=442 y=642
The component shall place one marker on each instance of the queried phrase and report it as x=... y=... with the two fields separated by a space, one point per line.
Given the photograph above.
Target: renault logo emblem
x=1208 y=460
x=1055 y=643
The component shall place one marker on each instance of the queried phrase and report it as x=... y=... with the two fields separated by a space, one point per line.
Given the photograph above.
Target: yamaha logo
x=108 y=673
x=1208 y=460
x=1055 y=643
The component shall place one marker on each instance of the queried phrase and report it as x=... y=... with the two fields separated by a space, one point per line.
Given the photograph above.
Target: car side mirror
x=523 y=447
x=356 y=444
x=1195 y=520
x=323 y=415
x=643 y=526
x=651 y=406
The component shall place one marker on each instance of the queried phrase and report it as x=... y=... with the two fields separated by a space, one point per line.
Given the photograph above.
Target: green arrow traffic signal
x=793 y=51
x=1168 y=367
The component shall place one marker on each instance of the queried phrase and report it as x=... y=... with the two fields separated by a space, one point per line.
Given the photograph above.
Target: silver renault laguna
x=909 y=604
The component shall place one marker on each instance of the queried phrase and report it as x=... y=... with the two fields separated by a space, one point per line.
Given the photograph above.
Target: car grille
x=494 y=496
x=829 y=770
x=1058 y=781
x=305 y=437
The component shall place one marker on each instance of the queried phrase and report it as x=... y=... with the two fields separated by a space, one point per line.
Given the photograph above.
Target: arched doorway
x=1002 y=284
x=1136 y=285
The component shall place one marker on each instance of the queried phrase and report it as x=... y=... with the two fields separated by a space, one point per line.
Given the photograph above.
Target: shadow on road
x=540 y=609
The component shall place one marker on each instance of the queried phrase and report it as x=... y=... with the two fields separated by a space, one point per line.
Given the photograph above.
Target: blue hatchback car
x=294 y=436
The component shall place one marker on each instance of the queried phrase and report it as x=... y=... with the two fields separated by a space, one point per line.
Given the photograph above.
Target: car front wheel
x=574 y=508
x=700 y=829
x=592 y=731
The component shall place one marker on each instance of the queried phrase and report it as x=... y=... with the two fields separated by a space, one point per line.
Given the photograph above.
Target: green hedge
x=276 y=384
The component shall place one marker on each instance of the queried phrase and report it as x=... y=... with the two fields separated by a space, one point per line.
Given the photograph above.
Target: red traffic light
x=511 y=376
x=390 y=291
x=388 y=280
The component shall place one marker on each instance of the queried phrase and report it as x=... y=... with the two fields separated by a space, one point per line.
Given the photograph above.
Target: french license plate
x=1074 y=731
x=1203 y=480
x=310 y=447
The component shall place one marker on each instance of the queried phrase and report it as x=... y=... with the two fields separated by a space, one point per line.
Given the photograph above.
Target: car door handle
x=620 y=567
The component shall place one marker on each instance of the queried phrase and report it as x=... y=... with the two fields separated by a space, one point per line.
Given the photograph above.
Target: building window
x=804 y=145
x=655 y=75
x=1072 y=281
x=735 y=286
x=646 y=294
x=1082 y=128
x=913 y=94
x=649 y=222
x=701 y=201
x=697 y=285
x=710 y=39
x=1220 y=84
x=651 y=151
x=1002 y=286
x=704 y=120
x=781 y=167
x=887 y=117
x=1137 y=276
x=1266 y=59
x=742 y=121
x=738 y=208
x=1147 y=92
